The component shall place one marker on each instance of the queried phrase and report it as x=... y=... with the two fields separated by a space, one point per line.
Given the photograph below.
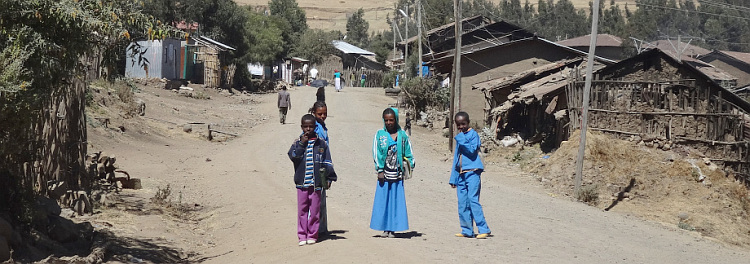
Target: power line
x=699 y=12
x=725 y=5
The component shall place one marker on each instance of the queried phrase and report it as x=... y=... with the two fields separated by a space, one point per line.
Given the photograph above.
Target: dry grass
x=119 y=88
x=661 y=189
x=163 y=199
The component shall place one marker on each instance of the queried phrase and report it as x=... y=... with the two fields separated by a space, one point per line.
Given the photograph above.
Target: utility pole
x=459 y=36
x=419 y=36
x=393 y=29
x=586 y=96
x=406 y=47
x=456 y=92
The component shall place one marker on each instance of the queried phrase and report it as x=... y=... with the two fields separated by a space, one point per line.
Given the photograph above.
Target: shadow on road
x=408 y=235
x=621 y=195
x=130 y=250
x=332 y=235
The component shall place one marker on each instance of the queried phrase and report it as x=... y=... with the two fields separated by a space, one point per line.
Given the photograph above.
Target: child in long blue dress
x=390 y=148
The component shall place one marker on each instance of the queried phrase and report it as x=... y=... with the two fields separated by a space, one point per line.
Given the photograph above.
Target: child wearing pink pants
x=313 y=171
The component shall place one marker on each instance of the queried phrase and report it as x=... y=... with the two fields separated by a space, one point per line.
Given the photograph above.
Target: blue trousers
x=470 y=211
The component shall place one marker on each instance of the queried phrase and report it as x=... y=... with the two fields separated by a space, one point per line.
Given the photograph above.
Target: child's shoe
x=483 y=236
x=302 y=243
x=391 y=235
x=461 y=235
x=311 y=241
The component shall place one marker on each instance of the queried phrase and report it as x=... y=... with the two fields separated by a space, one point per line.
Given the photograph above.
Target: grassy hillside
x=331 y=14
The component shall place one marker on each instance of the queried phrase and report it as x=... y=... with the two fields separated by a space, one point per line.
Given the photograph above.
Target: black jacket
x=321 y=159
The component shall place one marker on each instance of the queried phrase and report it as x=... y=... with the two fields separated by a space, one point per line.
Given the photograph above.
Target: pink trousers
x=308 y=213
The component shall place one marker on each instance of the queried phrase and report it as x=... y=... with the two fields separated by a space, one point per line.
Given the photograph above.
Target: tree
x=316 y=44
x=612 y=21
x=289 y=12
x=511 y=11
x=437 y=13
x=380 y=44
x=43 y=44
x=265 y=35
x=356 y=29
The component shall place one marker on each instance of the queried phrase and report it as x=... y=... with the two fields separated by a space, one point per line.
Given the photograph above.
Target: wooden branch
x=413 y=103
x=731 y=161
x=712 y=142
x=664 y=113
x=614 y=131
x=222 y=132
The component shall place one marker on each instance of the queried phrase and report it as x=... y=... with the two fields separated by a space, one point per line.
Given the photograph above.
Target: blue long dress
x=389 y=206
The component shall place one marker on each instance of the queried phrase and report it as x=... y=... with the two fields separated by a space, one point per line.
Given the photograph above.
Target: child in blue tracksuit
x=320 y=111
x=465 y=178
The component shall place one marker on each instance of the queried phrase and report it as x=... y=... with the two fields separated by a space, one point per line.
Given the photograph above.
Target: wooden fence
x=675 y=111
x=47 y=142
x=374 y=77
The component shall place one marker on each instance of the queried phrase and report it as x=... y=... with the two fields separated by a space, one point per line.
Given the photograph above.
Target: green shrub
x=389 y=79
x=424 y=92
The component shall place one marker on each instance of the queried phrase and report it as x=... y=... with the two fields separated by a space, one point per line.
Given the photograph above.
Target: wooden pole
x=393 y=28
x=457 y=61
x=406 y=47
x=419 y=37
x=586 y=95
x=456 y=91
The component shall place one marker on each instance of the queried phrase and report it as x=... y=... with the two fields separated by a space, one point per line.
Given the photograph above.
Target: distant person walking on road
x=284 y=103
x=465 y=178
x=314 y=74
x=362 y=81
x=391 y=151
x=313 y=173
x=337 y=80
x=320 y=95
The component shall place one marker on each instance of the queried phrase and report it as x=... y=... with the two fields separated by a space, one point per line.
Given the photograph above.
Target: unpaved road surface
x=249 y=215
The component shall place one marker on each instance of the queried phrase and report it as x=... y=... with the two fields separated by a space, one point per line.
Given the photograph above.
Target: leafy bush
x=424 y=92
x=389 y=79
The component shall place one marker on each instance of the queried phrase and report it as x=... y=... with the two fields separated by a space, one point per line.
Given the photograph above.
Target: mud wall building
x=480 y=64
x=664 y=102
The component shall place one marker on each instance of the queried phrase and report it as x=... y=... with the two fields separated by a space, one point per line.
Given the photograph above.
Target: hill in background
x=332 y=14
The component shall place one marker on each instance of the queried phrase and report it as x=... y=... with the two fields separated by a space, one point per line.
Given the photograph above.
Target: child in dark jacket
x=465 y=178
x=313 y=171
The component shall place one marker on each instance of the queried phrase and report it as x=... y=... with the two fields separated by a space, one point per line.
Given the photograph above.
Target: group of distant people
x=338 y=83
x=393 y=159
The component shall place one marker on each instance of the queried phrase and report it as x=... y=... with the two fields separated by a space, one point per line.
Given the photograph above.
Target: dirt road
x=249 y=198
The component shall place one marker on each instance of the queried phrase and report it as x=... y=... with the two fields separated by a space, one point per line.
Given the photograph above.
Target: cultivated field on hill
x=332 y=14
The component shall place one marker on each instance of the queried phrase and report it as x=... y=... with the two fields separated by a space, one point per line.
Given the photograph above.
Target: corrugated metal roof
x=222 y=45
x=668 y=47
x=524 y=76
x=298 y=59
x=740 y=56
x=349 y=48
x=479 y=19
x=469 y=49
x=602 y=40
